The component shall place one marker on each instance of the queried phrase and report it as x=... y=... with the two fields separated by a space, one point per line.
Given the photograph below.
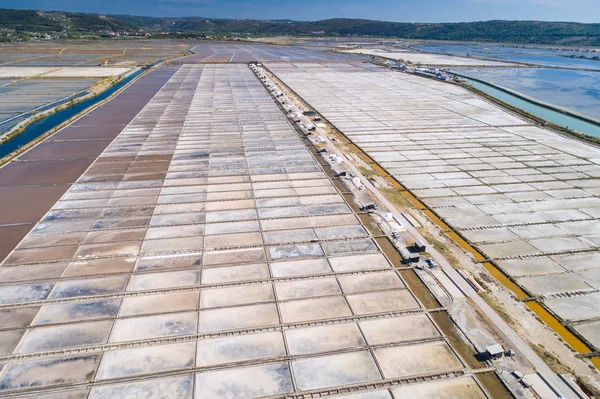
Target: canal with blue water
x=38 y=128
x=548 y=114
x=562 y=79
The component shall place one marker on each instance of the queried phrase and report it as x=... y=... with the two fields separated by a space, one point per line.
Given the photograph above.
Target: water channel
x=540 y=111
x=38 y=128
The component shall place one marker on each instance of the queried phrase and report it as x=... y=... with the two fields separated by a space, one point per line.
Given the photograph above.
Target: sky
x=310 y=10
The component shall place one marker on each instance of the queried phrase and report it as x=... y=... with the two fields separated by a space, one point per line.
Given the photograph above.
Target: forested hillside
x=47 y=22
x=526 y=32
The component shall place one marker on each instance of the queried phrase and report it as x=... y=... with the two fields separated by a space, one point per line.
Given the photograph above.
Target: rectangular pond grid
x=194 y=258
x=528 y=198
x=20 y=98
x=217 y=52
x=86 y=53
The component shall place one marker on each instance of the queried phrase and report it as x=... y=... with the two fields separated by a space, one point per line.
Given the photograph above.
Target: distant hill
x=533 y=32
x=56 y=21
x=524 y=32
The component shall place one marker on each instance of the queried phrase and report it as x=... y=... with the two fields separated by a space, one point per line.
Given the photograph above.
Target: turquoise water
x=538 y=56
x=40 y=127
x=576 y=90
x=539 y=111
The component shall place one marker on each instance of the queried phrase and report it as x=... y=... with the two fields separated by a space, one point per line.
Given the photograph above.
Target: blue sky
x=305 y=10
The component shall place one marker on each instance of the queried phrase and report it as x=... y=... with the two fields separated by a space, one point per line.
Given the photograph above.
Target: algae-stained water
x=578 y=91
